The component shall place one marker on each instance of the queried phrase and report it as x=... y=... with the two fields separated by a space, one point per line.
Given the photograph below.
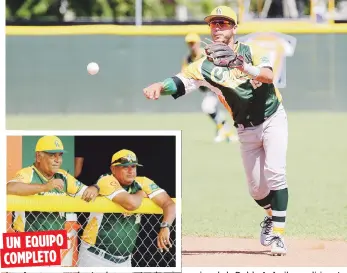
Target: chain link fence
x=113 y=239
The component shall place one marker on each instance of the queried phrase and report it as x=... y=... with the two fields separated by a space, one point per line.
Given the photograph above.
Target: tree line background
x=124 y=10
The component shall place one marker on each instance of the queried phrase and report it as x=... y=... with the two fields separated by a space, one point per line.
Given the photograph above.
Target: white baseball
x=93 y=68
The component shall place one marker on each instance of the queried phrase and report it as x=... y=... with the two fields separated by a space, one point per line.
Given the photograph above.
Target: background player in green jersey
x=210 y=101
x=109 y=239
x=45 y=177
x=233 y=71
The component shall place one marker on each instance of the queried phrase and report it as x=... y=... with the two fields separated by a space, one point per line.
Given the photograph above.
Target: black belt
x=249 y=123
x=108 y=257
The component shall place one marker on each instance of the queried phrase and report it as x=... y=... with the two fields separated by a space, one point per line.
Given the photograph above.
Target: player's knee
x=209 y=104
x=276 y=180
x=258 y=193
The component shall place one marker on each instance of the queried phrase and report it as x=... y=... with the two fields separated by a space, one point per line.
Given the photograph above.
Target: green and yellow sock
x=279 y=206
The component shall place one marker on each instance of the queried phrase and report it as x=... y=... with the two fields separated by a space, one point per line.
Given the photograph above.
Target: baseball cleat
x=233 y=138
x=219 y=138
x=278 y=247
x=266 y=231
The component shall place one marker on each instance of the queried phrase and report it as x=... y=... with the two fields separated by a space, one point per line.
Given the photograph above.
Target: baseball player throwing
x=242 y=77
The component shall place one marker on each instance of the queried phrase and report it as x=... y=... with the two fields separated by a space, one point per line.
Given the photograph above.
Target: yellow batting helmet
x=124 y=158
x=222 y=12
x=49 y=144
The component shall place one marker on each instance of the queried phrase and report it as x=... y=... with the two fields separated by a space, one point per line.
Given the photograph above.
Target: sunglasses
x=125 y=160
x=221 y=23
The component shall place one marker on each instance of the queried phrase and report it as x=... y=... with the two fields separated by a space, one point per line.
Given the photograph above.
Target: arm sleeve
x=74 y=186
x=109 y=186
x=149 y=187
x=23 y=176
x=188 y=80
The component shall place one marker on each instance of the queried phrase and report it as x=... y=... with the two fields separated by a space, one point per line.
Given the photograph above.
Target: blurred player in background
x=209 y=104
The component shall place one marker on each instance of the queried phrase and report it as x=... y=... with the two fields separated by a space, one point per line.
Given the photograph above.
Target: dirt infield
x=227 y=252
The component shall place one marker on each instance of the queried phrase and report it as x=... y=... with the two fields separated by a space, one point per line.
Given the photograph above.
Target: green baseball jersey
x=232 y=86
x=116 y=233
x=39 y=221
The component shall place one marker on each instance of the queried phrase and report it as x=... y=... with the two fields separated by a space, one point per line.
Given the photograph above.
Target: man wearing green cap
x=109 y=239
x=45 y=177
x=241 y=76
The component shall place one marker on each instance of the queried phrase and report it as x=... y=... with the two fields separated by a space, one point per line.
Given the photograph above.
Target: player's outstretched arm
x=183 y=83
x=171 y=86
x=153 y=92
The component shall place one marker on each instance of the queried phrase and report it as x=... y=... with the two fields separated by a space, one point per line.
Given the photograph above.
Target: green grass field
x=215 y=195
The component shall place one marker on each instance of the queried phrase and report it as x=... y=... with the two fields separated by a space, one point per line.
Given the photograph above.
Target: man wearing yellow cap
x=209 y=103
x=45 y=177
x=109 y=239
x=241 y=76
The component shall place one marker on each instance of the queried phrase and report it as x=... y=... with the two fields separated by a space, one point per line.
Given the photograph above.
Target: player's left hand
x=90 y=194
x=163 y=239
x=222 y=55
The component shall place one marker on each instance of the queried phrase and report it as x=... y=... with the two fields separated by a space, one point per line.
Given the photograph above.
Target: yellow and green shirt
x=39 y=221
x=116 y=233
x=232 y=86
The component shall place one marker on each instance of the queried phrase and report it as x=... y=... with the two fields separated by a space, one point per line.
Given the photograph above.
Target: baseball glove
x=222 y=55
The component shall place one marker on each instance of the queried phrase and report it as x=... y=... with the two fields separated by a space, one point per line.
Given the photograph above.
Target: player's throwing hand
x=153 y=91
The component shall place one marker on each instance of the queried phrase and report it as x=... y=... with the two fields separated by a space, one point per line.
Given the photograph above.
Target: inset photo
x=118 y=195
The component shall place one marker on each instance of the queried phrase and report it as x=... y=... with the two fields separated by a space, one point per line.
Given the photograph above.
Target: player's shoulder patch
x=108 y=184
x=23 y=175
x=27 y=170
x=147 y=185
